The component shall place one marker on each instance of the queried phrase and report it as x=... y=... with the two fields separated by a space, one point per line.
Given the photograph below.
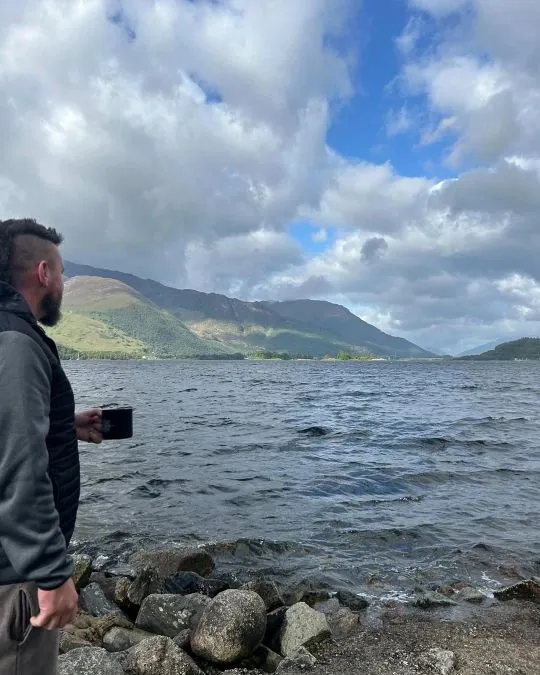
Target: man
x=39 y=461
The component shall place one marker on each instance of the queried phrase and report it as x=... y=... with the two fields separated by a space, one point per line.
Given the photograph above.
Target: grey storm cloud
x=373 y=248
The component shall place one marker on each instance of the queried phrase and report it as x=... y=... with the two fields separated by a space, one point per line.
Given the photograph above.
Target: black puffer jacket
x=39 y=459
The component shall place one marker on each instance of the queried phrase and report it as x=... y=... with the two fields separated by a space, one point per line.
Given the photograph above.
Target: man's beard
x=50 y=310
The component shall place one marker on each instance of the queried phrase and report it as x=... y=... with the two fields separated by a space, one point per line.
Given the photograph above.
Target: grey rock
x=470 y=594
x=121 y=589
x=169 y=614
x=158 y=656
x=307 y=591
x=352 y=601
x=524 y=590
x=431 y=599
x=101 y=563
x=302 y=627
x=106 y=582
x=123 y=570
x=328 y=607
x=70 y=641
x=185 y=583
x=268 y=592
x=182 y=639
x=440 y=661
x=88 y=661
x=300 y=659
x=171 y=561
x=263 y=659
x=313 y=596
x=343 y=622
x=83 y=570
x=274 y=622
x=120 y=639
x=231 y=627
x=93 y=601
x=93 y=629
x=147 y=582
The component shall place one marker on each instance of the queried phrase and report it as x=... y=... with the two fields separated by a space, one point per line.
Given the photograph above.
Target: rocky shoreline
x=171 y=612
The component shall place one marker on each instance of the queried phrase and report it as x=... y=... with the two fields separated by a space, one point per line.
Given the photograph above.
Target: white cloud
x=371 y=197
x=180 y=142
x=116 y=142
x=320 y=236
x=439 y=8
x=398 y=122
x=235 y=264
x=410 y=36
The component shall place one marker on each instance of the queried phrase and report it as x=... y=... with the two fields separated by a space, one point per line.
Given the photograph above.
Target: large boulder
x=88 y=661
x=302 y=627
x=158 y=656
x=169 y=614
x=231 y=627
x=93 y=601
x=171 y=561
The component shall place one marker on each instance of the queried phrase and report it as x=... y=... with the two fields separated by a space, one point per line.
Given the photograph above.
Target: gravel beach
x=499 y=640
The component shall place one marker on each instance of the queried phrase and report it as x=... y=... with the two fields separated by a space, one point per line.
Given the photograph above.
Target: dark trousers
x=24 y=650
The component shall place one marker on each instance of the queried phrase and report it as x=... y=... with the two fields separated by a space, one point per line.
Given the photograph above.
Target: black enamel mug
x=117 y=422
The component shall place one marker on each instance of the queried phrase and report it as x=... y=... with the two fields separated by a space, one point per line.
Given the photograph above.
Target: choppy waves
x=344 y=472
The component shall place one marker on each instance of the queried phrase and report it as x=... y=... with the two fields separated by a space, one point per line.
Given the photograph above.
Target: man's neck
x=31 y=300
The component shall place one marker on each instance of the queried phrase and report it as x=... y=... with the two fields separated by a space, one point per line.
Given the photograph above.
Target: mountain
x=105 y=317
x=228 y=325
x=524 y=348
x=480 y=349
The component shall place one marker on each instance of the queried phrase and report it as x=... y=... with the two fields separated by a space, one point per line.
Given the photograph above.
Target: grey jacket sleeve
x=30 y=533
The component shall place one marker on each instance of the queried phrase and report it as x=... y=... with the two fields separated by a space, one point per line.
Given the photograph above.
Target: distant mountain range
x=480 y=349
x=518 y=350
x=109 y=313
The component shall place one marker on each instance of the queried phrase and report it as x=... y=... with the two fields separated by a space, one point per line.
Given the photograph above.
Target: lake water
x=415 y=473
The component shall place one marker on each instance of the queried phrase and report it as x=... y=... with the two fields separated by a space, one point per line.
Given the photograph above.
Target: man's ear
x=43 y=273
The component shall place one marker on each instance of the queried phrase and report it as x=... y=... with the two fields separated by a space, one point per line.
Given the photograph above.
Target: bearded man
x=39 y=458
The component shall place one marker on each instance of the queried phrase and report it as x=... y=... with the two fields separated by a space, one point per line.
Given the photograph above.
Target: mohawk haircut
x=22 y=243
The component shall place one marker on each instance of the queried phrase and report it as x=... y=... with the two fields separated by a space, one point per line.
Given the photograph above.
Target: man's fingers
x=46 y=621
x=50 y=621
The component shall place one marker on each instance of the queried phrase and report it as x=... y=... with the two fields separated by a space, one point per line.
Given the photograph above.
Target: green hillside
x=82 y=334
x=524 y=348
x=300 y=327
x=104 y=317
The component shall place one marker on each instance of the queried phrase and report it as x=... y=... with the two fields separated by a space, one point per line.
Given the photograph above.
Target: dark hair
x=15 y=258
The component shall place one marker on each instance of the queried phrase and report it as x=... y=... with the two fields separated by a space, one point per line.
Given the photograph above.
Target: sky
x=382 y=154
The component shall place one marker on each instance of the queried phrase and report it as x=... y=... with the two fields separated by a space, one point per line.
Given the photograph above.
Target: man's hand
x=56 y=608
x=88 y=425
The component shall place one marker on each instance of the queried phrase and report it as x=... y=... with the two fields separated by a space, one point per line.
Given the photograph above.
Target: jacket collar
x=12 y=301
